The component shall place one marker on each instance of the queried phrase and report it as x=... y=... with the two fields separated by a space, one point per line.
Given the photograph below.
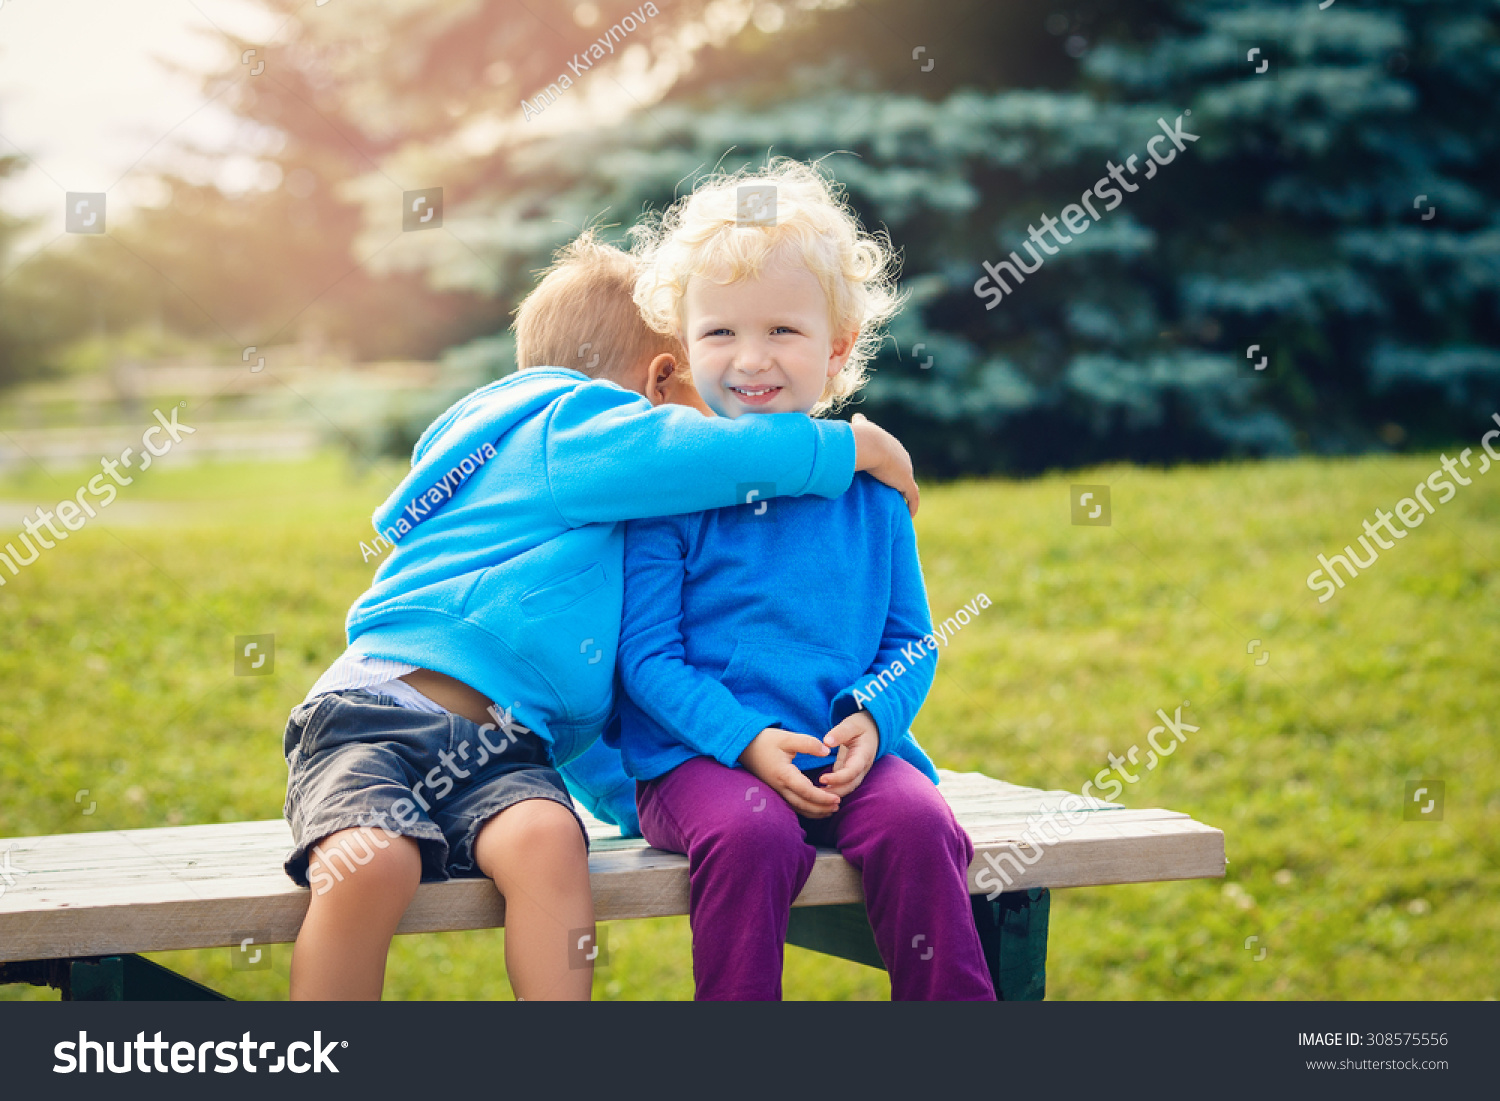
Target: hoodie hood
x=465 y=437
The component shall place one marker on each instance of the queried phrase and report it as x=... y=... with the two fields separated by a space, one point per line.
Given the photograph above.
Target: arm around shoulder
x=613 y=456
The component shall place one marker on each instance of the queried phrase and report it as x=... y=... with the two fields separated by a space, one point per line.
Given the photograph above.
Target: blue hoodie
x=789 y=613
x=505 y=570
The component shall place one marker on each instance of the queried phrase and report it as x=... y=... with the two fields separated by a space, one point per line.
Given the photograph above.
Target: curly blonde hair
x=705 y=235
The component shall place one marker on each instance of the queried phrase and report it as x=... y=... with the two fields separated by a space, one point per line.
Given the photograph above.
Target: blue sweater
x=790 y=613
x=506 y=563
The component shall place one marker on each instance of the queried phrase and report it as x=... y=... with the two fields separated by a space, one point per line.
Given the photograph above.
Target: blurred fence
x=237 y=411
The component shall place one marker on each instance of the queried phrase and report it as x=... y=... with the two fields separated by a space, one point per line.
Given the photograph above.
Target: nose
x=754 y=356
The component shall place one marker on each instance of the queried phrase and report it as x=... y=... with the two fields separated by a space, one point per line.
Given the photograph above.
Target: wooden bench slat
x=209 y=886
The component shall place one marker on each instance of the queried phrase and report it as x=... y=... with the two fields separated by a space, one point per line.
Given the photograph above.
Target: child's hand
x=881 y=455
x=769 y=757
x=858 y=740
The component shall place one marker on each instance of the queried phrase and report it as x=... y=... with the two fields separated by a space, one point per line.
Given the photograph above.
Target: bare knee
x=531 y=833
x=365 y=863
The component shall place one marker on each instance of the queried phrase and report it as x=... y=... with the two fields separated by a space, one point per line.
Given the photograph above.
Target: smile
x=755 y=393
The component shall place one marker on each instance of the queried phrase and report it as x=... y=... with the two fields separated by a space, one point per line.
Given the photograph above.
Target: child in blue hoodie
x=482 y=656
x=762 y=637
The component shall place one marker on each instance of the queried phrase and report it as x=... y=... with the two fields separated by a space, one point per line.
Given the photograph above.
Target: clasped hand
x=769 y=757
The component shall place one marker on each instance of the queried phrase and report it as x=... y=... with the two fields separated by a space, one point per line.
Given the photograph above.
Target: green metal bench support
x=1012 y=932
x=109 y=979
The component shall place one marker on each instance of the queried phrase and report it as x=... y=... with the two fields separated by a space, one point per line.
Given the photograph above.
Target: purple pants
x=750 y=853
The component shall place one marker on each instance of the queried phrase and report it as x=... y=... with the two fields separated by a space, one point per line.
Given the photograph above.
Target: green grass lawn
x=117 y=678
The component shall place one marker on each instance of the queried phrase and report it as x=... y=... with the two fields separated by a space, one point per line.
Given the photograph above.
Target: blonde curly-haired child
x=772 y=652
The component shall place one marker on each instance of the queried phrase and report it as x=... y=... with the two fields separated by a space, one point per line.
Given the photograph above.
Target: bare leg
x=534 y=852
x=345 y=938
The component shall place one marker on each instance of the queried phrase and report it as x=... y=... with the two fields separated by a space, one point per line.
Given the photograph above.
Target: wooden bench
x=76 y=908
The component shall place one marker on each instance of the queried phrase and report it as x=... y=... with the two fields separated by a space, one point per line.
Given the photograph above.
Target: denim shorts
x=358 y=759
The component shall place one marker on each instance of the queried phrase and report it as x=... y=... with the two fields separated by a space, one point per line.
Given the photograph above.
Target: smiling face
x=762 y=345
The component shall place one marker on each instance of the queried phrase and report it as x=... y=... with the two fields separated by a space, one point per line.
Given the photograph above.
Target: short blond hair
x=583 y=315
x=703 y=234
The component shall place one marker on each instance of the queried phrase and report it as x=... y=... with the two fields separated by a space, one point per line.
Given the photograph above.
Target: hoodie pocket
x=563 y=630
x=562 y=593
x=794 y=681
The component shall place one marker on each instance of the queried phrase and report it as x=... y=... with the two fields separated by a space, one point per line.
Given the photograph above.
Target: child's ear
x=659 y=377
x=665 y=383
x=842 y=347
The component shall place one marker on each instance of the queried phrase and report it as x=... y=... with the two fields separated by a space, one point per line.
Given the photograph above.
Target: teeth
x=754 y=393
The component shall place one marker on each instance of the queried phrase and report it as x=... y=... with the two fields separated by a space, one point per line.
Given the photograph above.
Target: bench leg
x=109 y=979
x=843 y=931
x=1012 y=932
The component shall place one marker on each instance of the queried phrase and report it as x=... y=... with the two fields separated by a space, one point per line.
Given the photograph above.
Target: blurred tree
x=17 y=356
x=359 y=103
x=1335 y=212
x=1295 y=222
x=348 y=106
